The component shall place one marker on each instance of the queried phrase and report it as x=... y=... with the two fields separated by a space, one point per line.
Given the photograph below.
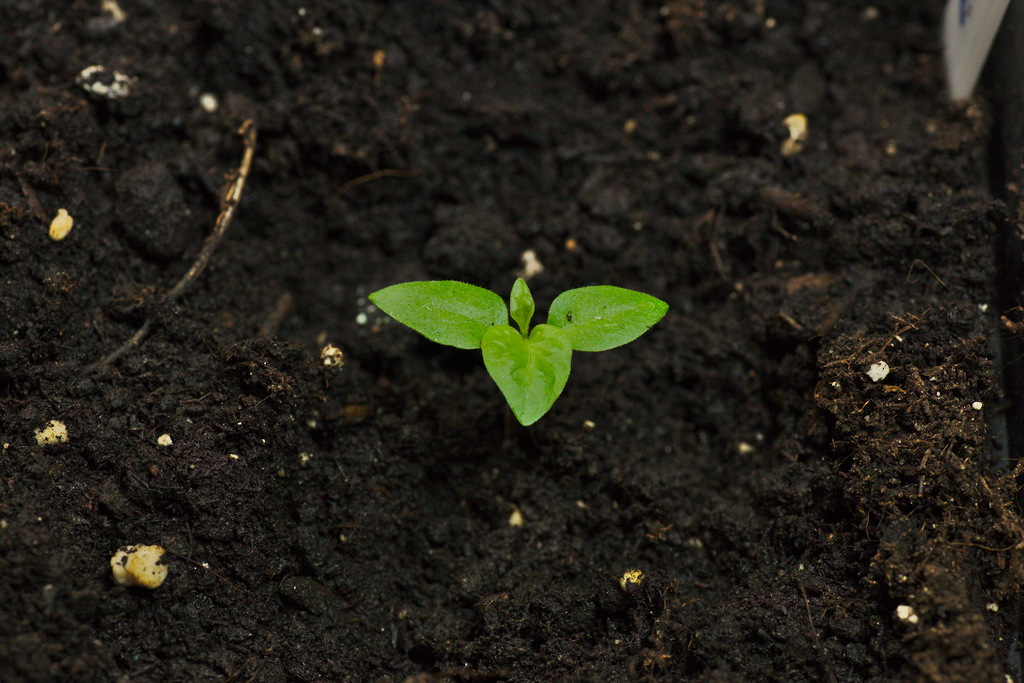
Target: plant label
x=968 y=29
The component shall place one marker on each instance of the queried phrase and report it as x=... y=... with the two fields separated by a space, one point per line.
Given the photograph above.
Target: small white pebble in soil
x=60 y=226
x=977 y=405
x=797 y=125
x=53 y=433
x=208 y=101
x=531 y=266
x=233 y=456
x=139 y=565
x=878 y=371
x=361 y=319
x=631 y=577
x=304 y=458
x=516 y=518
x=111 y=85
x=117 y=14
x=589 y=424
x=744 y=448
x=906 y=613
x=992 y=607
x=332 y=356
x=164 y=440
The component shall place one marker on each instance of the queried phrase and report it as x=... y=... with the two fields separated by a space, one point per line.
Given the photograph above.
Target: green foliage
x=601 y=318
x=530 y=366
x=447 y=312
x=530 y=371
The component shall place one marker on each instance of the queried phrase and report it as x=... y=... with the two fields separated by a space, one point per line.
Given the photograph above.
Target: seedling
x=530 y=366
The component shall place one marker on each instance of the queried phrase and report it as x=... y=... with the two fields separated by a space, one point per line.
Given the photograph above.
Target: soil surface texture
x=792 y=477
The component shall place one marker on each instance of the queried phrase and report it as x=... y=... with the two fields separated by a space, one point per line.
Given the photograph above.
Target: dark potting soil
x=793 y=519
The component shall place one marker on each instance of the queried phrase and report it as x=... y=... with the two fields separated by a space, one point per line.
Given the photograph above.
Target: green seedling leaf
x=445 y=311
x=531 y=372
x=530 y=367
x=603 y=317
x=521 y=306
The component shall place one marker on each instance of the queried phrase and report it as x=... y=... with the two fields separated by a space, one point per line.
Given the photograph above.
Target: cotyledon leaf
x=602 y=317
x=531 y=373
x=445 y=311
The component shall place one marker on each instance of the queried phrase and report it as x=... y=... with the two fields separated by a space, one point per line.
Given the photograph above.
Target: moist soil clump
x=791 y=477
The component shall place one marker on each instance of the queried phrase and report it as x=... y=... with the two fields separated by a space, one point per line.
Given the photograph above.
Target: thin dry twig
x=383 y=173
x=917 y=261
x=825 y=664
x=202 y=565
x=229 y=202
x=227 y=211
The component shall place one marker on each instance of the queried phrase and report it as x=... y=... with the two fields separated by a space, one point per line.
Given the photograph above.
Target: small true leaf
x=521 y=305
x=531 y=373
x=444 y=311
x=603 y=317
